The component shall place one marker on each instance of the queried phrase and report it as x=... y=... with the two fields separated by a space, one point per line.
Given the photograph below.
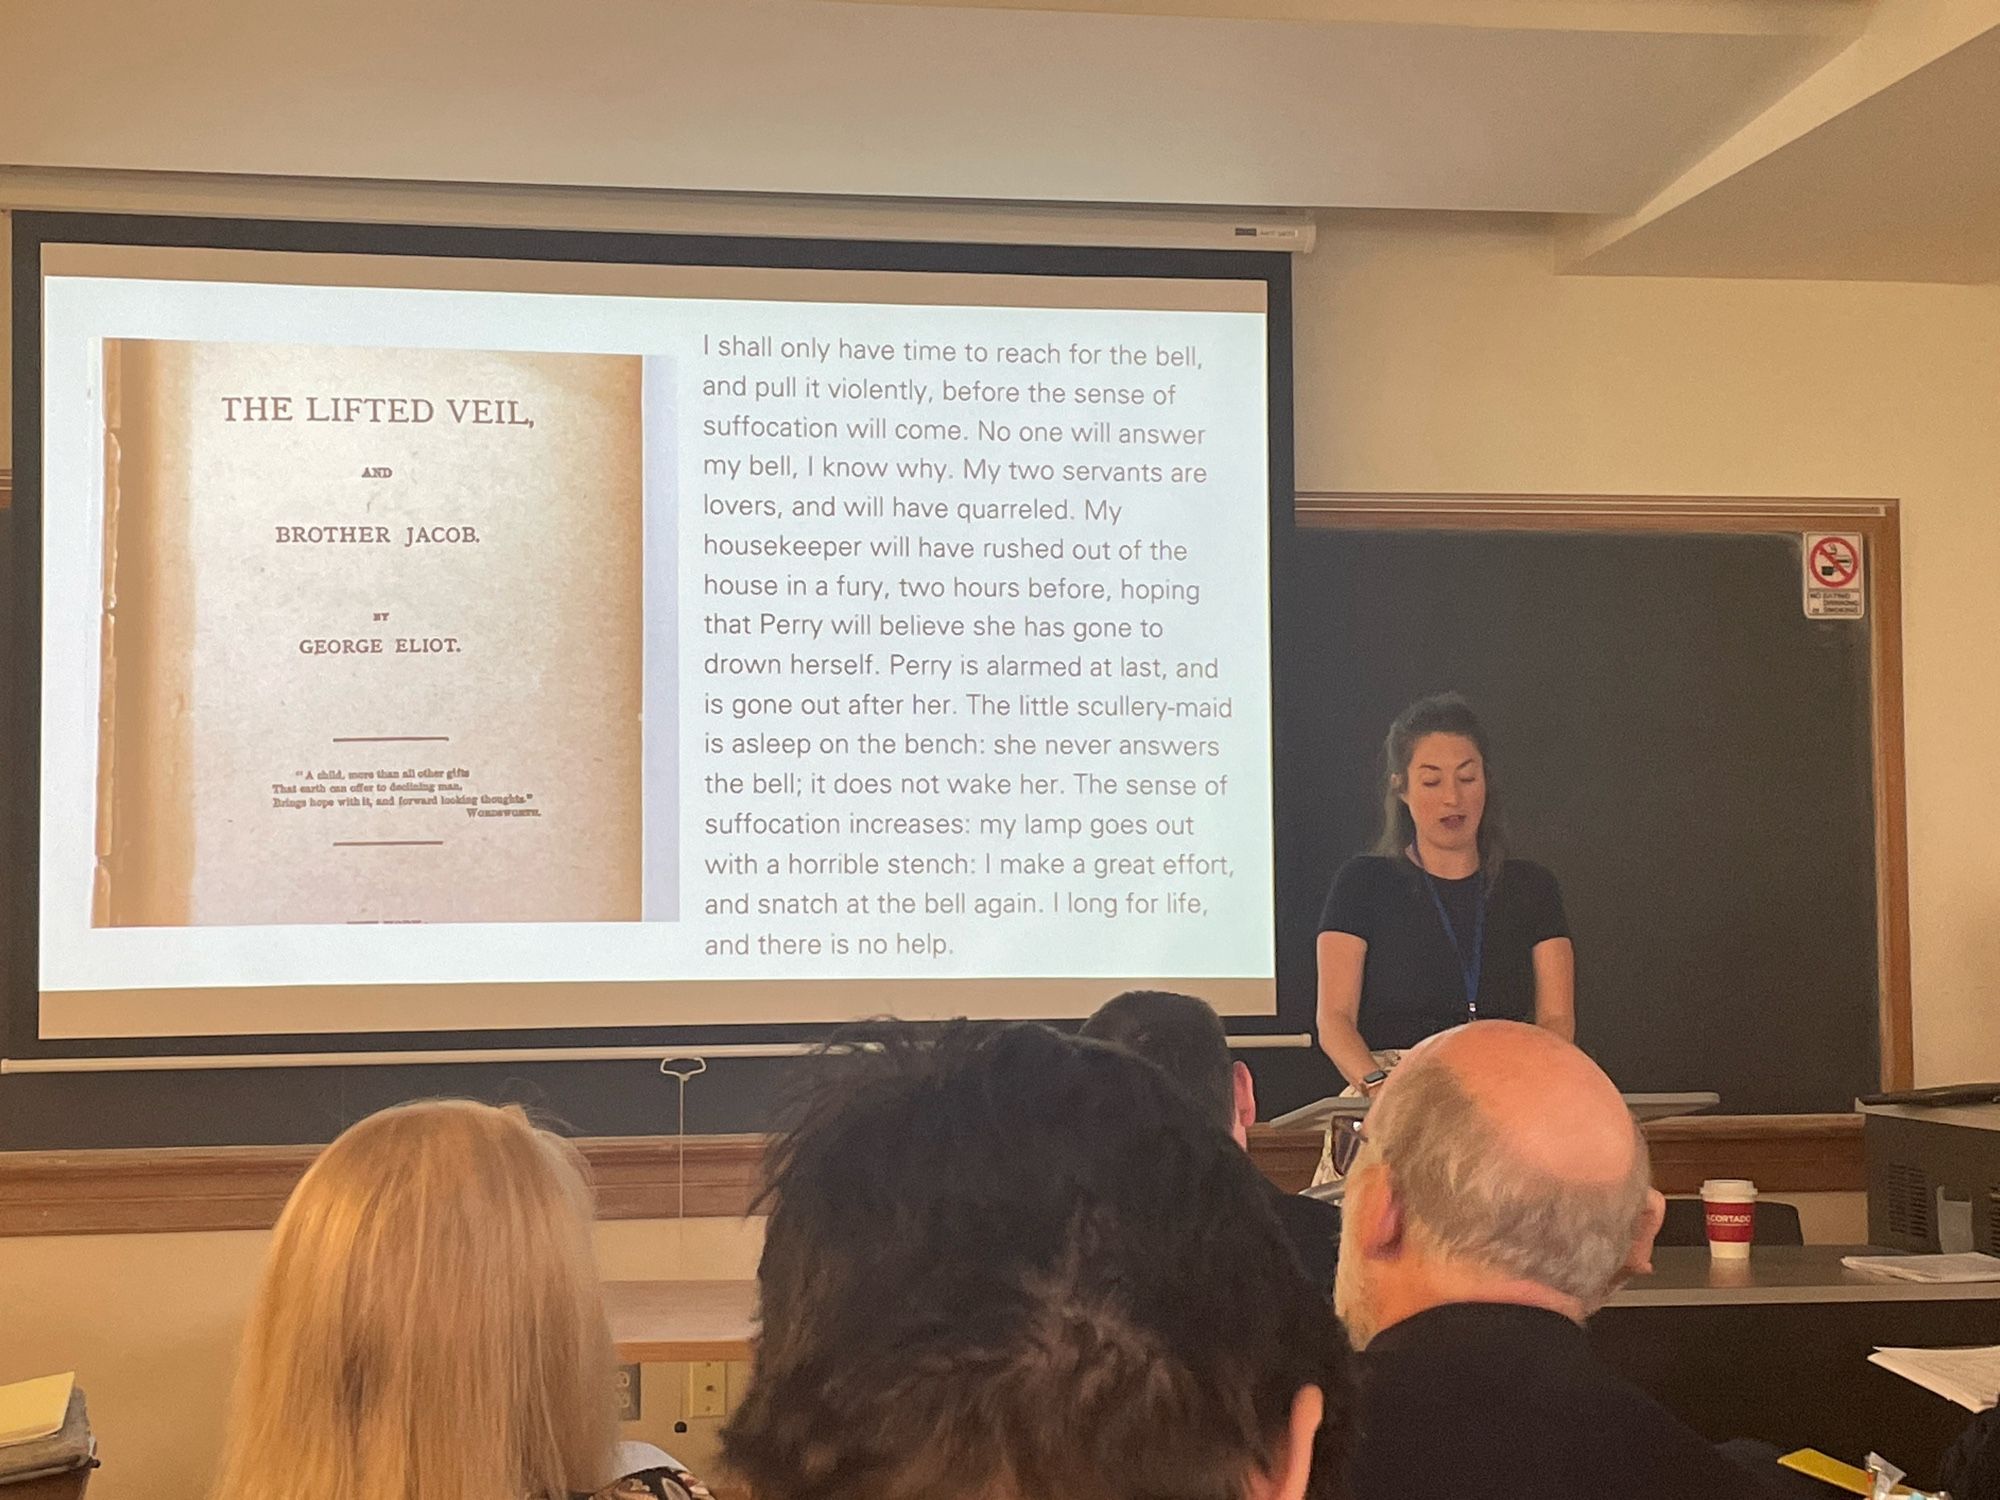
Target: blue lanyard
x=1468 y=968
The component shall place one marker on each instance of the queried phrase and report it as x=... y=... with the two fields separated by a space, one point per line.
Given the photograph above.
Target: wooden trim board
x=245 y=1187
x=1892 y=827
x=1355 y=511
x=1878 y=521
x=640 y=1177
x=1780 y=1153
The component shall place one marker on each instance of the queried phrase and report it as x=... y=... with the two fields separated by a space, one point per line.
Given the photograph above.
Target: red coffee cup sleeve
x=1731 y=1223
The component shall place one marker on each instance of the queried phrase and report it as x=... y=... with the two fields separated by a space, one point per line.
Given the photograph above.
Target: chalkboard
x=1693 y=758
x=1689 y=753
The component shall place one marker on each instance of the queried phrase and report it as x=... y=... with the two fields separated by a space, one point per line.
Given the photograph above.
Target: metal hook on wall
x=681 y=1069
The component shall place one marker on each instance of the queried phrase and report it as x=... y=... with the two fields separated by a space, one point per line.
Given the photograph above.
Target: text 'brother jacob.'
x=374 y=536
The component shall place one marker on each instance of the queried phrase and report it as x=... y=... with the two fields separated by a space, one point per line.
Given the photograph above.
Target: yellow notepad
x=1834 y=1472
x=31 y=1409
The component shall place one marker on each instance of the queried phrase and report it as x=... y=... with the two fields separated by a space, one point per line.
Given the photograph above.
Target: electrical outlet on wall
x=708 y=1389
x=625 y=1380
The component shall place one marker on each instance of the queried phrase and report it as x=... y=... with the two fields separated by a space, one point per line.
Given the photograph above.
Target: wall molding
x=1780 y=1153
x=191 y=1188
x=188 y=1189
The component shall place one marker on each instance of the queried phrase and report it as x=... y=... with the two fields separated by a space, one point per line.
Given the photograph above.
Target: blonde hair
x=430 y=1324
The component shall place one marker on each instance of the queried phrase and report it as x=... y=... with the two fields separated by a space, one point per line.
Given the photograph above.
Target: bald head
x=1548 y=1106
x=1512 y=1156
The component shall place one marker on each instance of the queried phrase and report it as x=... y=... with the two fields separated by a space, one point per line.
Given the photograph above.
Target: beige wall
x=150 y=1321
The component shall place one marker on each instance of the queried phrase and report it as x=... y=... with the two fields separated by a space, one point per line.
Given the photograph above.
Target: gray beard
x=1351 y=1298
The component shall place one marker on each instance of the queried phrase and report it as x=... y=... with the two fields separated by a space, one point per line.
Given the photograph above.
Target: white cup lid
x=1729 y=1187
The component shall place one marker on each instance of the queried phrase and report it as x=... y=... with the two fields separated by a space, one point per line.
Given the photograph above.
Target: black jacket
x=1494 y=1401
x=1313 y=1228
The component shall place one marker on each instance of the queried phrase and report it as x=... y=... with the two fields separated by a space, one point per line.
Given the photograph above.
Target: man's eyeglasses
x=1348 y=1139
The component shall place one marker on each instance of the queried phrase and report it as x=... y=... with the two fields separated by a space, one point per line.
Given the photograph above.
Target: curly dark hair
x=1007 y=1262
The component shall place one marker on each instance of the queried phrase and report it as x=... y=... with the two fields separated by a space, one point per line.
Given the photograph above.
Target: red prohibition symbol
x=1834 y=562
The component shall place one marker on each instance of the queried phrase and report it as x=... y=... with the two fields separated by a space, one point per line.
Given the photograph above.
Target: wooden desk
x=683 y=1320
x=1777 y=1349
x=667 y=1322
x=1691 y=1277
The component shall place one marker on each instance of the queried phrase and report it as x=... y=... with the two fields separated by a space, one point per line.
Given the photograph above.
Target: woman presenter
x=1437 y=926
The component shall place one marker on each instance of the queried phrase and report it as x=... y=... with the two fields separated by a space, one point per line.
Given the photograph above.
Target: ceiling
x=1903 y=186
x=1704 y=137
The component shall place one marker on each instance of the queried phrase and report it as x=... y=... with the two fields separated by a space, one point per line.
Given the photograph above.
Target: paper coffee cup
x=1729 y=1207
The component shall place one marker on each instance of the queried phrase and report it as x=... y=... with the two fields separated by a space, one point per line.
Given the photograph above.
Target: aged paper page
x=373 y=636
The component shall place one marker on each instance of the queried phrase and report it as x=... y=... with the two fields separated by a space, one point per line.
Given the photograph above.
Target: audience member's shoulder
x=1314 y=1231
x=1634 y=1429
x=1297 y=1210
x=1520 y=1393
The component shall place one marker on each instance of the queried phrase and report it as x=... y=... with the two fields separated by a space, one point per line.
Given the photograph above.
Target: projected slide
x=433 y=645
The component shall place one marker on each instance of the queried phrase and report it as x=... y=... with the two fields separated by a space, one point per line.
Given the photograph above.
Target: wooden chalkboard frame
x=1877 y=521
x=186 y=1188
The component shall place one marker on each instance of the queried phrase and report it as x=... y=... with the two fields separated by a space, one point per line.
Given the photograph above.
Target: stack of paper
x=1972 y=1266
x=1971 y=1377
x=32 y=1409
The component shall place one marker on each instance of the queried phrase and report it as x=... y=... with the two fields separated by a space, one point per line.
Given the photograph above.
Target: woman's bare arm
x=1341 y=957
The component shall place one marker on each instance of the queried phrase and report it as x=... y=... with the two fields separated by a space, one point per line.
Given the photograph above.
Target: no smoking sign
x=1834 y=587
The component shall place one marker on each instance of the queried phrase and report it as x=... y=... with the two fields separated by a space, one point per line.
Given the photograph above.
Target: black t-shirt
x=1491 y=1401
x=1413 y=982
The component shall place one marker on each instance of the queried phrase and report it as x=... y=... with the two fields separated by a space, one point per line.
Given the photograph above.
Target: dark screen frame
x=19 y=879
